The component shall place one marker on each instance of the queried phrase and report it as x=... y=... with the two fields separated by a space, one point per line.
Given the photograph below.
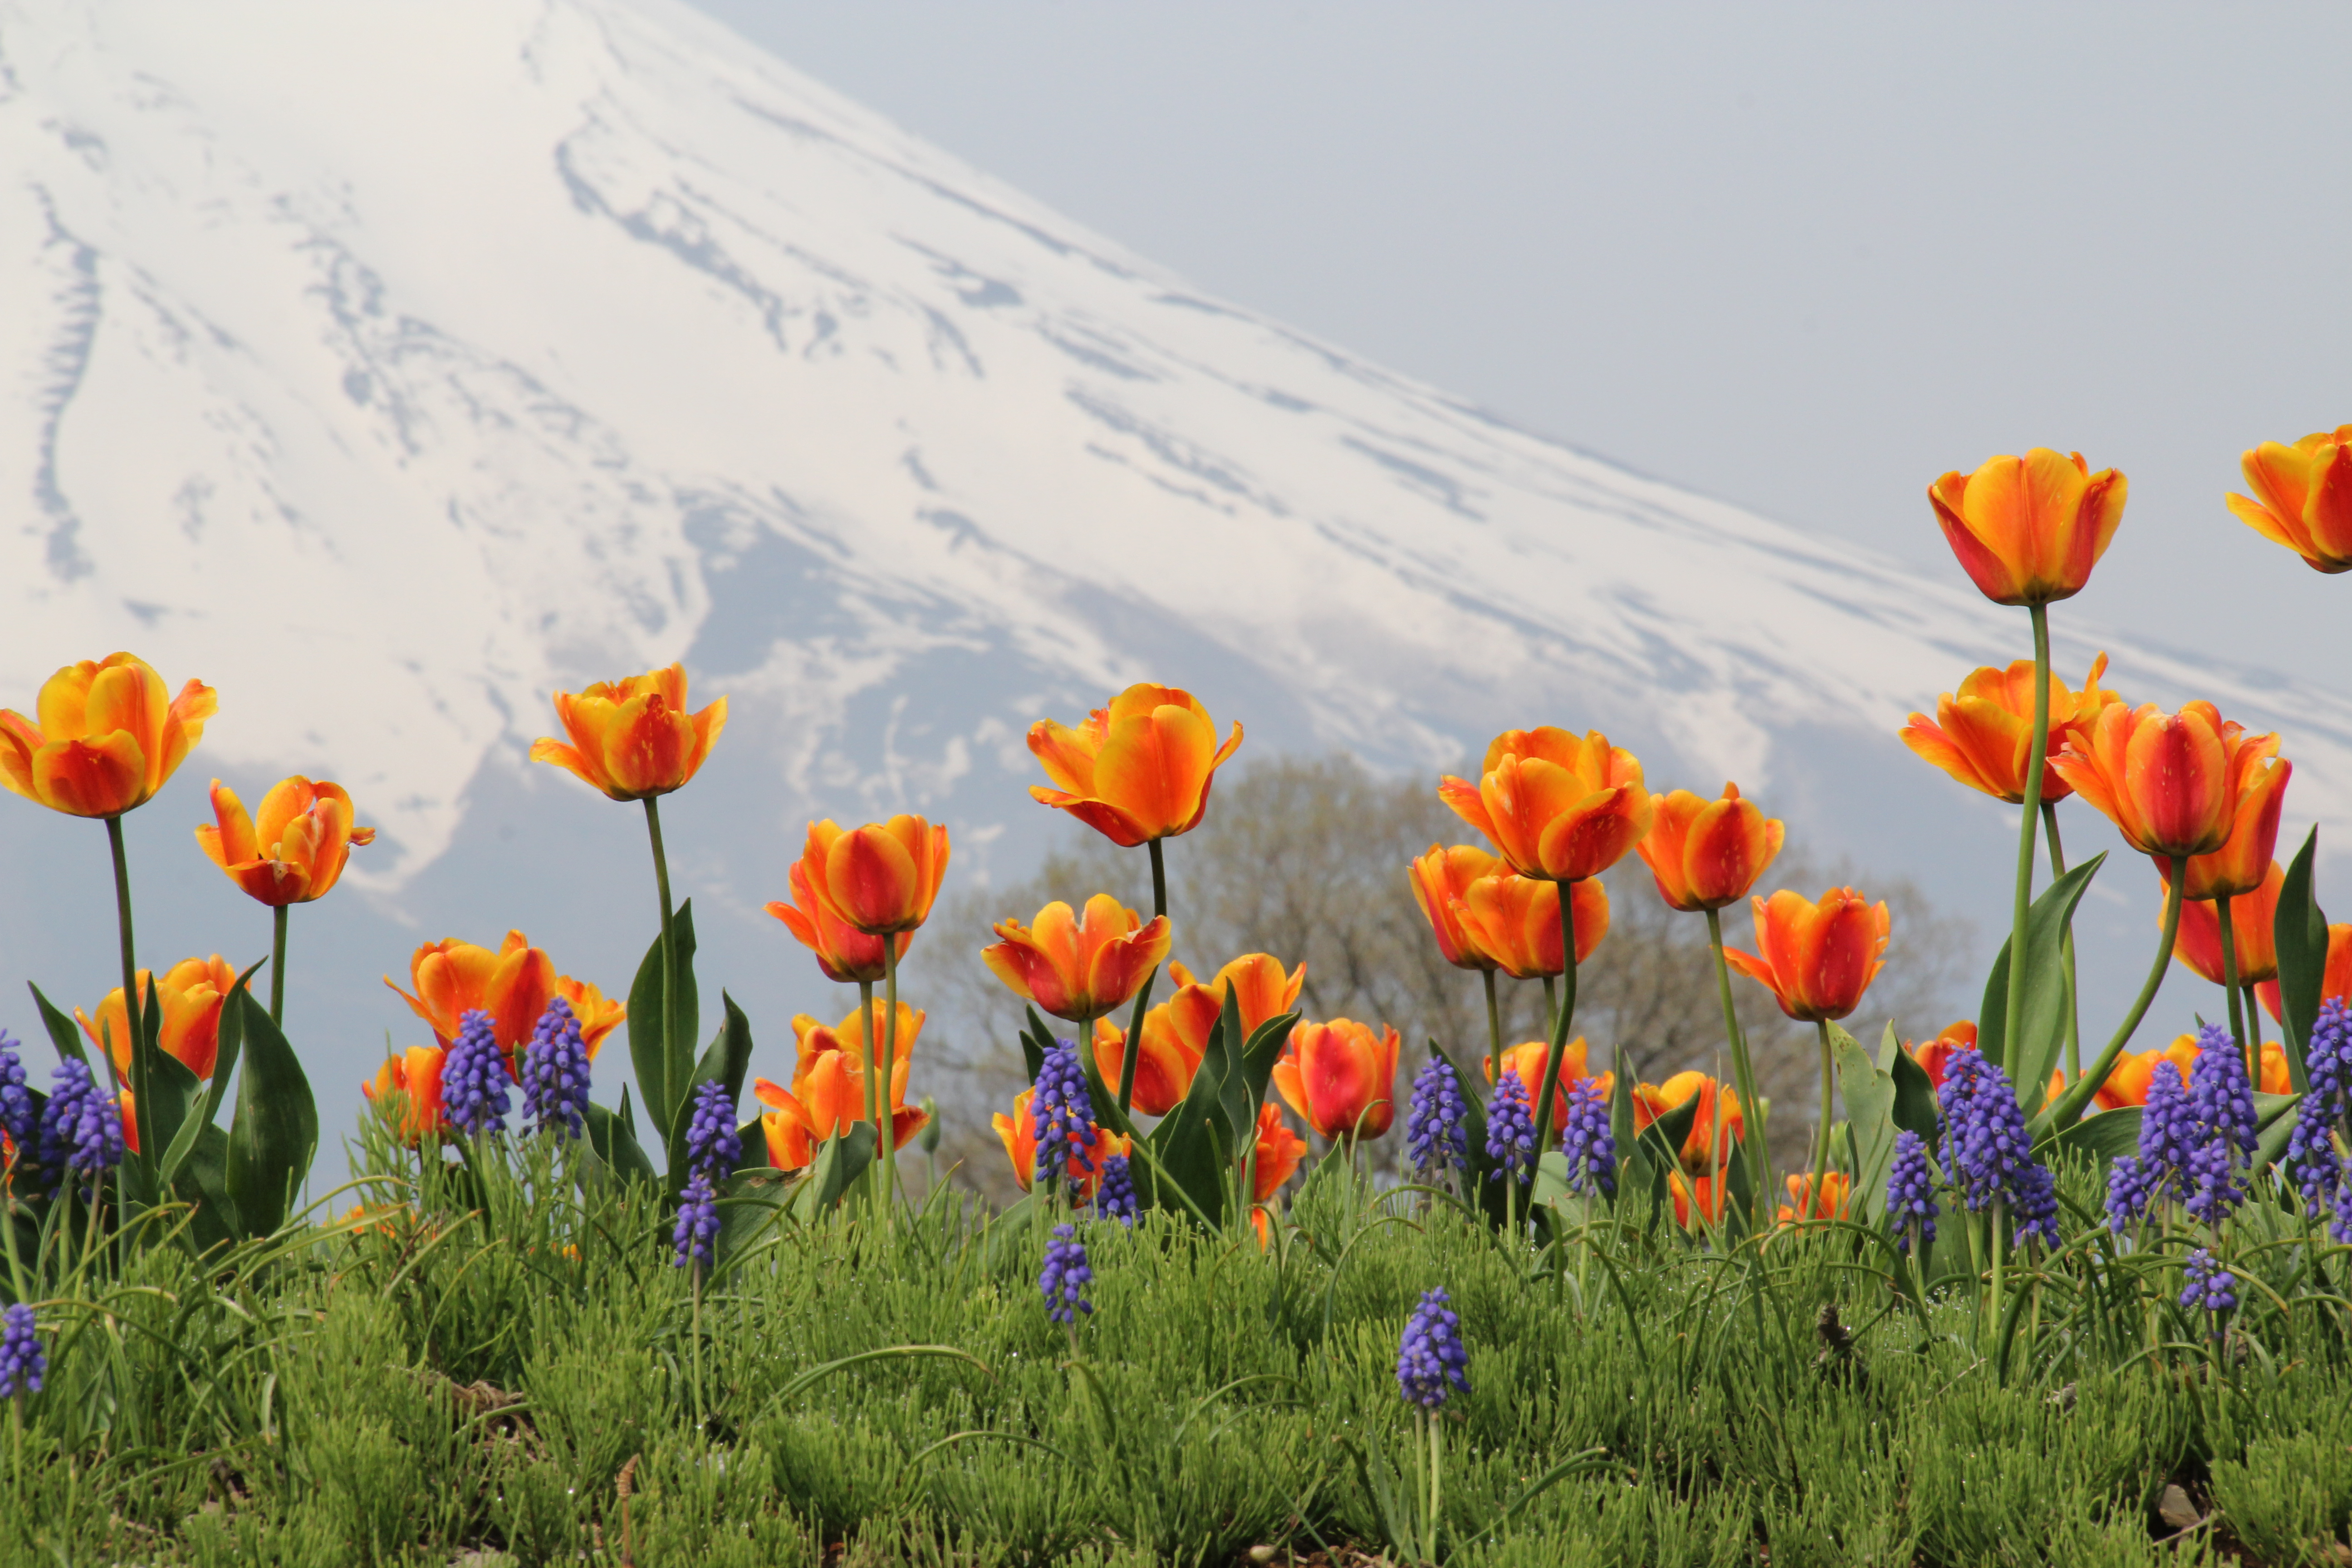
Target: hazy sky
x=1803 y=258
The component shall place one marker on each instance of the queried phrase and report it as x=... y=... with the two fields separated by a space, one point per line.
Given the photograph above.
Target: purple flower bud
x=1431 y=1364
x=1066 y=1277
x=555 y=1072
x=474 y=1078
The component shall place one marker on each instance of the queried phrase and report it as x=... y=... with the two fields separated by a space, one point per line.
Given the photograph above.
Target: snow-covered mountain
x=388 y=366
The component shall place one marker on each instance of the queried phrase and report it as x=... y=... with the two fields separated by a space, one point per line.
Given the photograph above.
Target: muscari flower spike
x=555 y=1072
x=2325 y=1176
x=1911 y=1191
x=2223 y=1099
x=1590 y=1143
x=712 y=1144
x=17 y=1113
x=21 y=1360
x=474 y=1078
x=1115 y=1199
x=1066 y=1277
x=1987 y=1152
x=1431 y=1364
x=81 y=1127
x=1435 y=1132
x=1061 y=1113
x=2208 y=1288
x=697 y=1234
x=2168 y=1137
x=1510 y=1128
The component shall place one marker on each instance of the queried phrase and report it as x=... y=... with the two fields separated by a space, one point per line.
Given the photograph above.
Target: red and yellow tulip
x=1527 y=1059
x=1078 y=964
x=2128 y=1083
x=2198 y=943
x=828 y=1096
x=415 y=1074
x=1558 y=806
x=1837 y=1191
x=878 y=879
x=454 y=977
x=1018 y=1132
x=2166 y=780
x=1176 y=1032
x=294 y=850
x=1816 y=958
x=1138 y=769
x=1516 y=920
x=2259 y=777
x=857 y=1036
x=1704 y=854
x=1340 y=1078
x=2335 y=977
x=847 y=955
x=1440 y=879
x=1983 y=734
x=632 y=738
x=190 y=994
x=2028 y=530
x=2306 y=497
x=109 y=734
x=1935 y=1057
x=1716 y=1127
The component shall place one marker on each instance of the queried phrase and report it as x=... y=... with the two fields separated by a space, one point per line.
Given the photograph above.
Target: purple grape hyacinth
x=1911 y=1191
x=697 y=1234
x=1434 y=1134
x=2208 y=1288
x=17 y=1112
x=712 y=1144
x=1510 y=1128
x=1988 y=1153
x=1431 y=1364
x=2223 y=1101
x=1590 y=1143
x=1061 y=1113
x=555 y=1072
x=2312 y=1161
x=1114 y=1197
x=81 y=1127
x=1066 y=1277
x=474 y=1078
x=21 y=1360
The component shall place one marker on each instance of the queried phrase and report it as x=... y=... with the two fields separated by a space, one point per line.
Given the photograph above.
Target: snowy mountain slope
x=388 y=366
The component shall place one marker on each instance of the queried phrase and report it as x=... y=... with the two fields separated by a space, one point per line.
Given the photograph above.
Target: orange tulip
x=297 y=849
x=1340 y=1078
x=2336 y=978
x=2104 y=1098
x=1982 y=736
x=415 y=1074
x=108 y=736
x=632 y=738
x=828 y=1095
x=126 y=1105
x=2253 y=915
x=1019 y=1135
x=2259 y=779
x=1176 y=1033
x=1078 y=965
x=1818 y=958
x=1936 y=1056
x=2029 y=530
x=878 y=879
x=512 y=985
x=1440 y=879
x=1704 y=854
x=2166 y=781
x=1557 y=807
x=2128 y=1083
x=1705 y=1147
x=1837 y=1189
x=1138 y=769
x=1279 y=1150
x=1697 y=1199
x=1527 y=1059
x=2307 y=497
x=191 y=993
x=847 y=955
x=1517 y=919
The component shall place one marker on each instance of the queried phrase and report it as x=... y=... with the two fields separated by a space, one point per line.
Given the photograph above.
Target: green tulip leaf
x=2300 y=931
x=275 y=1131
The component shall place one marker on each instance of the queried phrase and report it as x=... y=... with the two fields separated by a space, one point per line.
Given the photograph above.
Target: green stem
x=1552 y=1005
x=1743 y=1071
x=277 y=964
x=886 y=1119
x=673 y=1082
x=1134 y=1046
x=2029 y=816
x=2078 y=1093
x=135 y=1014
x=865 y=1064
x=1821 y=1148
x=1547 y=1086
x=2073 y=994
x=1494 y=1027
x=2229 y=986
x=2000 y=1249
x=1436 y=1486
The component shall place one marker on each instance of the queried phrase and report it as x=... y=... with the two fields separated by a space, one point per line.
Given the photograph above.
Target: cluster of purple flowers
x=1591 y=1144
x=81 y=1127
x=1114 y=1197
x=474 y=1078
x=712 y=1147
x=1987 y=1151
x=2208 y=1288
x=1434 y=1135
x=2194 y=1142
x=2312 y=1160
x=1431 y=1364
x=21 y=1360
x=555 y=1072
x=1061 y=1113
x=16 y=1114
x=1911 y=1191
x=697 y=1235
x=1066 y=1277
x=1510 y=1128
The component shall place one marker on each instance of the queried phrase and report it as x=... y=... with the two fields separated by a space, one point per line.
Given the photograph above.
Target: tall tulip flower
x=190 y=994
x=1137 y=772
x=1715 y=1127
x=2028 y=530
x=1440 y=879
x=1517 y=919
x=2306 y=497
x=1018 y=1132
x=846 y=955
x=109 y=734
x=1176 y=1033
x=454 y=977
x=293 y=853
x=1818 y=958
x=1340 y=1078
x=2335 y=977
x=1982 y=735
x=1527 y=1059
x=1078 y=964
x=2258 y=778
x=829 y=1092
x=415 y=1076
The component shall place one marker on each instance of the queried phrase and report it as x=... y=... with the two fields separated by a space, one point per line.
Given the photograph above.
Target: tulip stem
x=886 y=1120
x=1134 y=1046
x=2230 y=987
x=1743 y=1071
x=666 y=1106
x=1822 y=1149
x=134 y=1015
x=1494 y=1027
x=865 y=1063
x=277 y=964
x=1552 y=1005
x=2074 y=998
x=2078 y=1094
x=2029 y=815
x=1548 y=1086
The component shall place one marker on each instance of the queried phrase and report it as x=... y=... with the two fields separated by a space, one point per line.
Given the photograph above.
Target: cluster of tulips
x=2191 y=790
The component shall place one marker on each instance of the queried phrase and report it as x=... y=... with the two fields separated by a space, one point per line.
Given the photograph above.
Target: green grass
x=467 y=1378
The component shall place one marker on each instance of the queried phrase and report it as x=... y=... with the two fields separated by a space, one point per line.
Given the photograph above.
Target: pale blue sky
x=1803 y=257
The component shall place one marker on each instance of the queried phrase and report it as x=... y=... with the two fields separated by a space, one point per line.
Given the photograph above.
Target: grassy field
x=504 y=1370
